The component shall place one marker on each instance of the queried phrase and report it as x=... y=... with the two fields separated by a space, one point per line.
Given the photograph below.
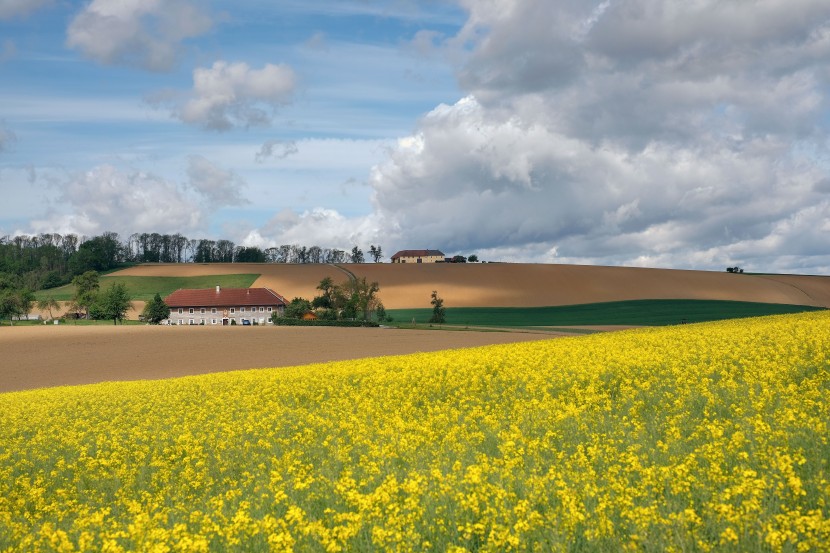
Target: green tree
x=357 y=298
x=438 y=309
x=357 y=255
x=472 y=259
x=115 y=302
x=155 y=310
x=9 y=306
x=250 y=255
x=86 y=290
x=48 y=304
x=325 y=300
x=376 y=252
x=297 y=307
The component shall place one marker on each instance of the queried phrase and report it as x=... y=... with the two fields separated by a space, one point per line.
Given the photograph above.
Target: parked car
x=246 y=322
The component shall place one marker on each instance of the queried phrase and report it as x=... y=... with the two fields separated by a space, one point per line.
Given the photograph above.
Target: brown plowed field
x=521 y=285
x=46 y=356
x=50 y=355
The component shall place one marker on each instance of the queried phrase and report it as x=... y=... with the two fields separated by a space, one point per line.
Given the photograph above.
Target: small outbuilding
x=224 y=306
x=418 y=256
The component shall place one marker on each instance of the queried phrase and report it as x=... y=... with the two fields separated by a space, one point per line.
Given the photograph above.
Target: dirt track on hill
x=47 y=356
x=520 y=285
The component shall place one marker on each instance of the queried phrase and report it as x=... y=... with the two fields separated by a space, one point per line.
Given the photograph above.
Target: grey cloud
x=276 y=149
x=629 y=131
x=6 y=138
x=16 y=8
x=144 y=34
x=229 y=95
x=217 y=186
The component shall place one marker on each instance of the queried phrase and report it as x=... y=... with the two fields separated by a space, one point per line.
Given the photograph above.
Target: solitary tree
x=376 y=252
x=86 y=290
x=155 y=310
x=115 y=302
x=48 y=304
x=438 y=309
x=472 y=259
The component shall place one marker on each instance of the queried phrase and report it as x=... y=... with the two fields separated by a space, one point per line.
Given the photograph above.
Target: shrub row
x=284 y=321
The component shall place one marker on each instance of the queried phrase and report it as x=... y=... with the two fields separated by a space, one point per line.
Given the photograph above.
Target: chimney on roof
x=248 y=291
x=218 y=289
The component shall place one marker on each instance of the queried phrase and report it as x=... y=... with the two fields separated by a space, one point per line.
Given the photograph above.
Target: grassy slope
x=637 y=312
x=144 y=288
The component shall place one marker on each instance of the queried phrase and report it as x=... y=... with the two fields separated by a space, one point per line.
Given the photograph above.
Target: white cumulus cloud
x=108 y=199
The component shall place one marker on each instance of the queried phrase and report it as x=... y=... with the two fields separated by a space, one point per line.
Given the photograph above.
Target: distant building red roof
x=418 y=253
x=224 y=297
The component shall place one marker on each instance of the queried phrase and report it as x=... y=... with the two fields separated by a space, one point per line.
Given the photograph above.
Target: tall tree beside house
x=114 y=302
x=296 y=308
x=155 y=310
x=438 y=309
x=86 y=290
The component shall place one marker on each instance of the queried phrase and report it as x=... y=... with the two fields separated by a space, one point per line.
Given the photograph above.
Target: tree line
x=49 y=260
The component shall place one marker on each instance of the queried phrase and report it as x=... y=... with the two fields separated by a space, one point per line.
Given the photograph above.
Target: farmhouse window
x=213 y=321
x=202 y=311
x=191 y=320
x=241 y=309
x=191 y=311
x=181 y=310
x=213 y=310
x=269 y=310
x=262 y=310
x=233 y=309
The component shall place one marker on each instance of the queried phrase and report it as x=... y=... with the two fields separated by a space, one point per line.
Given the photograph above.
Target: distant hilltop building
x=224 y=306
x=418 y=256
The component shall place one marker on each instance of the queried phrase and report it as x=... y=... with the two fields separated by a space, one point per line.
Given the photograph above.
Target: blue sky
x=622 y=132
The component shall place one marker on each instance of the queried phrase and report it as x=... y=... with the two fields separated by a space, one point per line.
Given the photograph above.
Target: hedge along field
x=707 y=437
x=631 y=312
x=144 y=288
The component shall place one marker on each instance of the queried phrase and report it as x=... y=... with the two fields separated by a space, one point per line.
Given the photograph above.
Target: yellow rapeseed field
x=710 y=437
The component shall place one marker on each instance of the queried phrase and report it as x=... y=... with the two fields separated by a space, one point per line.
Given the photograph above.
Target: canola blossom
x=709 y=437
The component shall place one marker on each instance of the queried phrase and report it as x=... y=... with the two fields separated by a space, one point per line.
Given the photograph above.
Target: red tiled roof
x=418 y=253
x=225 y=297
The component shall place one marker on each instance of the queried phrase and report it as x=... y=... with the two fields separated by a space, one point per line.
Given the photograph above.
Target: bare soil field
x=519 y=285
x=66 y=355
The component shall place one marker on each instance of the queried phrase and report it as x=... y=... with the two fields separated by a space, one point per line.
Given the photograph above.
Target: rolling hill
x=516 y=284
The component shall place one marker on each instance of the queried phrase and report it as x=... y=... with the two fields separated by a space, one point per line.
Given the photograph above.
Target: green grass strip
x=143 y=288
x=634 y=312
